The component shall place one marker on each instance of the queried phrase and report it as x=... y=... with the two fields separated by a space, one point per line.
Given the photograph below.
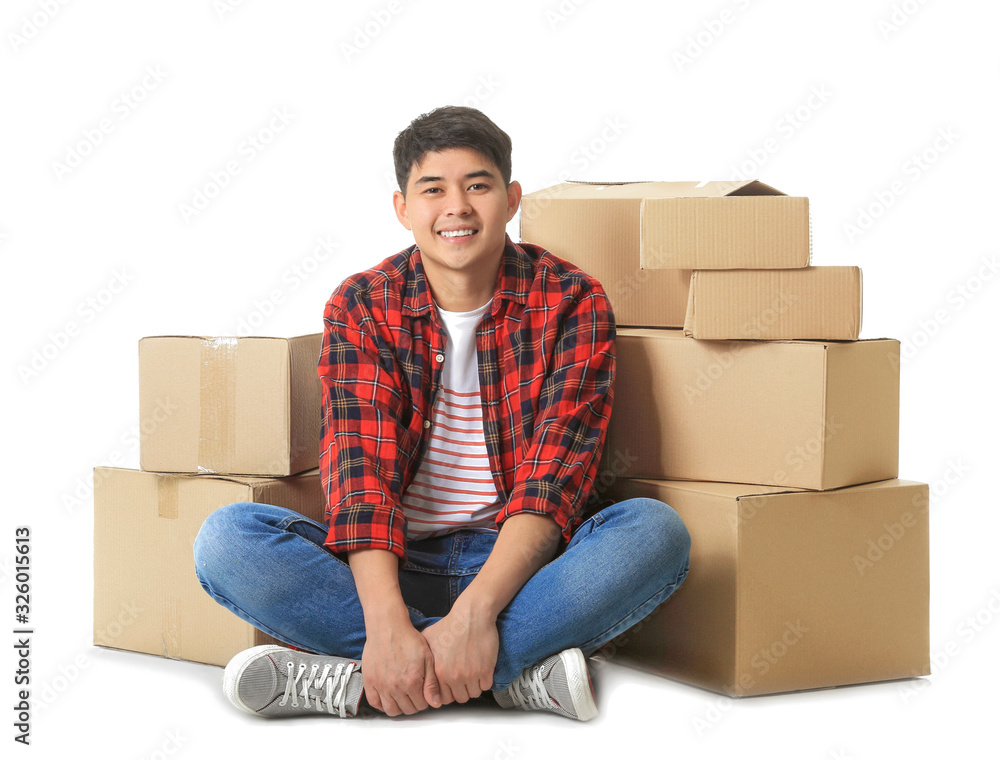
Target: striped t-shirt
x=453 y=487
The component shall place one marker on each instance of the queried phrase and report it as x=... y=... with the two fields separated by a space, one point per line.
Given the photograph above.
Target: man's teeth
x=457 y=233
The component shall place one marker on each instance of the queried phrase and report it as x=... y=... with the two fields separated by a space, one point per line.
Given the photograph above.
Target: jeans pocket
x=308 y=529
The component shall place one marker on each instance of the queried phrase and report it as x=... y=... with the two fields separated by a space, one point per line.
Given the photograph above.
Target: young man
x=467 y=383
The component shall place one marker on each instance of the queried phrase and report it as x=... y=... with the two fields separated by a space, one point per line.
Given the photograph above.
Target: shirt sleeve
x=556 y=475
x=363 y=431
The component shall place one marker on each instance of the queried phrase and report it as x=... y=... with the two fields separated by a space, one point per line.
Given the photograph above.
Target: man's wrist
x=526 y=542
x=478 y=606
x=385 y=612
x=376 y=577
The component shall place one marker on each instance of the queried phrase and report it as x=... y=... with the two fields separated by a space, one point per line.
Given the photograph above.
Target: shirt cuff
x=543 y=498
x=365 y=526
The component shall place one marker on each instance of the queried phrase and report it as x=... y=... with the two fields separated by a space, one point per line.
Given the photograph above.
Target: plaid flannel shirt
x=546 y=350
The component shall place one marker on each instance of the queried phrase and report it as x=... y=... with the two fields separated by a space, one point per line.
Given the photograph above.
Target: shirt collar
x=514 y=279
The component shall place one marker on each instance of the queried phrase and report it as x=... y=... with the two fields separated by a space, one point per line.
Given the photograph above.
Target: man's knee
x=222 y=522
x=215 y=535
x=673 y=526
x=664 y=532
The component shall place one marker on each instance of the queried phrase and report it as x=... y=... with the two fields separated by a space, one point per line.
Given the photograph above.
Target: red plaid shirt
x=546 y=350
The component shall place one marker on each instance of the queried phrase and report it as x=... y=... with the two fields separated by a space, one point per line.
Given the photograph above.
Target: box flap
x=665 y=333
x=639 y=190
x=734 y=491
x=739 y=491
x=254 y=481
x=220 y=337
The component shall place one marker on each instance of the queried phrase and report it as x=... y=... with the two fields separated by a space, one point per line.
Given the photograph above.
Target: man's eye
x=479 y=186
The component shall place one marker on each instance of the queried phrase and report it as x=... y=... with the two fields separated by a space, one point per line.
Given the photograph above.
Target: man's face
x=457 y=208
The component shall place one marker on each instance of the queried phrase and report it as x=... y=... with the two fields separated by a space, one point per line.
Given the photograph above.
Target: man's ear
x=399 y=204
x=513 y=199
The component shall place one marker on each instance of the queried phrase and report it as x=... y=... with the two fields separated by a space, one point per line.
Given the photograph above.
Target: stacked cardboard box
x=745 y=400
x=224 y=420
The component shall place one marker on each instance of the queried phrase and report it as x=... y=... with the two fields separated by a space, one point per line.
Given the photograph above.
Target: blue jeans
x=269 y=566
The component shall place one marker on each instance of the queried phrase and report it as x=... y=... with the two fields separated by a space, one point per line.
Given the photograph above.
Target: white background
x=877 y=105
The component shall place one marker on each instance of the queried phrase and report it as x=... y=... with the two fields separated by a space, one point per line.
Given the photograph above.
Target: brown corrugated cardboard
x=790 y=590
x=805 y=414
x=684 y=225
x=247 y=406
x=773 y=304
x=599 y=232
x=724 y=225
x=147 y=597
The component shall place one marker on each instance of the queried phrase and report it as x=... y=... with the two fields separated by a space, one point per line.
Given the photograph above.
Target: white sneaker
x=276 y=681
x=560 y=683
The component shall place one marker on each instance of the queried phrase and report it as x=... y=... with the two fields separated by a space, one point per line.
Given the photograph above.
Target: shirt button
x=427 y=424
x=439 y=358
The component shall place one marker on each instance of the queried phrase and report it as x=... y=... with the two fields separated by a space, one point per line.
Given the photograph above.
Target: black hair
x=450 y=127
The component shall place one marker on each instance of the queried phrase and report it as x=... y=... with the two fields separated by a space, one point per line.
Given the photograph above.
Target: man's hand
x=465 y=642
x=465 y=647
x=397 y=663
x=398 y=668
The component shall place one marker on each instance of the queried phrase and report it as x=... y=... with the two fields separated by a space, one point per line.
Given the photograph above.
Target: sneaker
x=560 y=683
x=276 y=681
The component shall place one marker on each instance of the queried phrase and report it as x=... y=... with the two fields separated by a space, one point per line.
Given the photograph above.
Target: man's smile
x=459 y=233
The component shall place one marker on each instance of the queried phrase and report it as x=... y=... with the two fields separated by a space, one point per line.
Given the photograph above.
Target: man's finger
x=389 y=707
x=432 y=688
x=446 y=696
x=373 y=698
x=461 y=693
x=415 y=701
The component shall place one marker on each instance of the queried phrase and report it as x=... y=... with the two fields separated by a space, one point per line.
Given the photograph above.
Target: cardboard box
x=723 y=225
x=147 y=597
x=805 y=414
x=640 y=239
x=772 y=304
x=248 y=406
x=790 y=590
x=596 y=227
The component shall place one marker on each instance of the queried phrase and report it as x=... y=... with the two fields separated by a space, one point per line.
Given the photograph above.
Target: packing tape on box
x=166 y=496
x=217 y=434
x=170 y=628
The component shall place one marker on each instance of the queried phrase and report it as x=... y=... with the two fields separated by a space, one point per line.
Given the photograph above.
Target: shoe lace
x=528 y=691
x=331 y=688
